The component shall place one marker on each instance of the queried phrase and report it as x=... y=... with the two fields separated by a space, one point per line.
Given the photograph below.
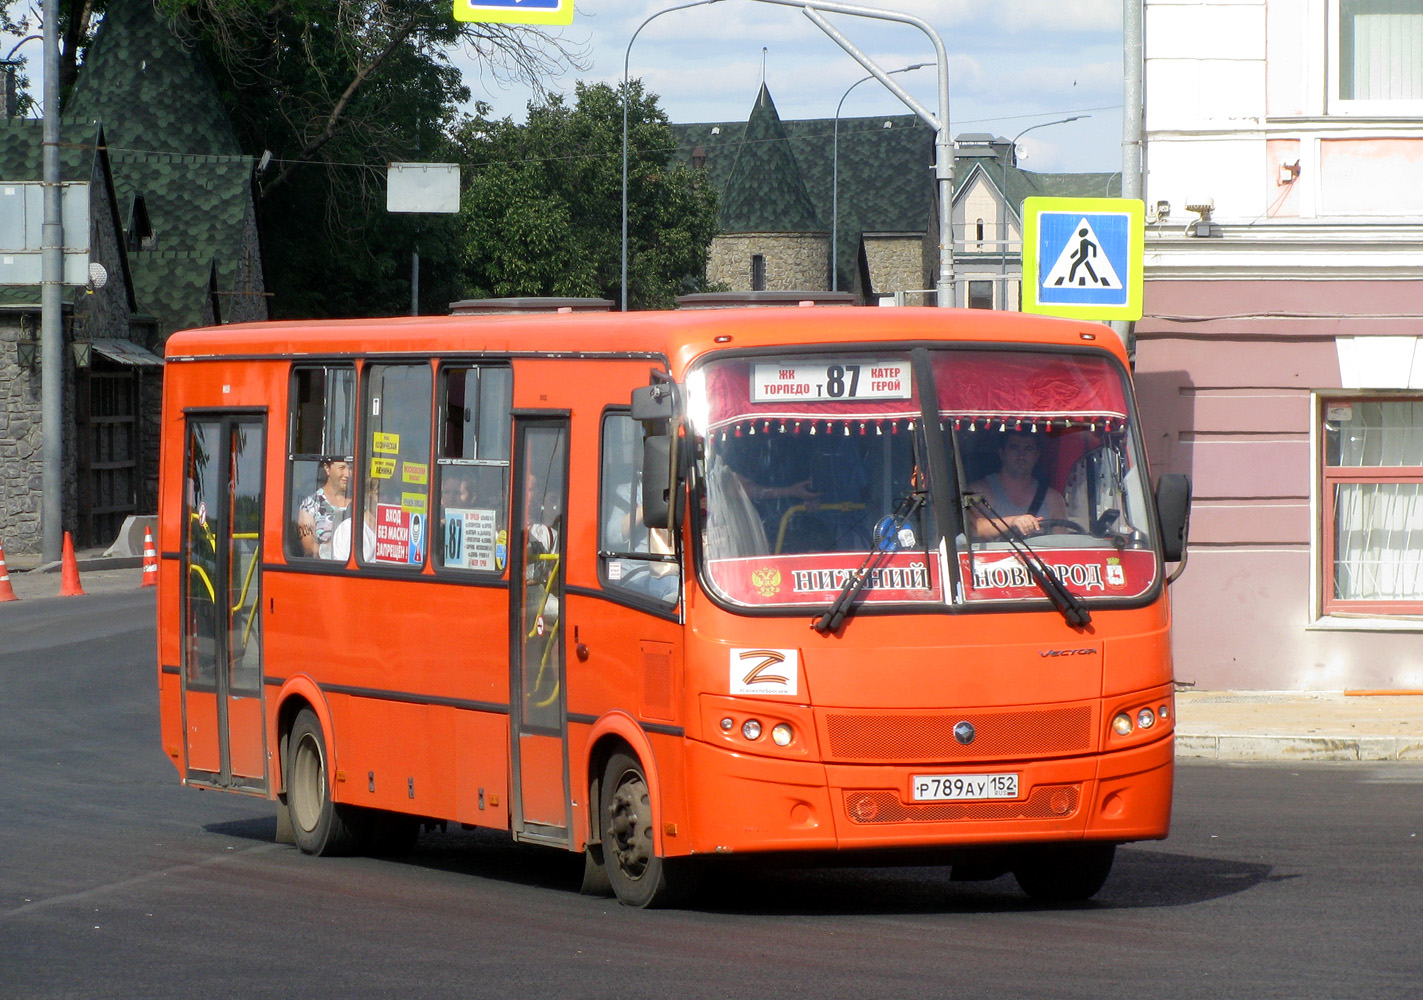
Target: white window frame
x=1337 y=105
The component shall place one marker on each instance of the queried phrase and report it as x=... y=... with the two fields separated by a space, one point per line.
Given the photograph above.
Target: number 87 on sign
x=515 y=11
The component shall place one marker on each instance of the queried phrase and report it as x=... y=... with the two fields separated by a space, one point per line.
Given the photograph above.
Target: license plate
x=941 y=787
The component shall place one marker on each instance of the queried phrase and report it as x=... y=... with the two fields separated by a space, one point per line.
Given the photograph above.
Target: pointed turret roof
x=765 y=192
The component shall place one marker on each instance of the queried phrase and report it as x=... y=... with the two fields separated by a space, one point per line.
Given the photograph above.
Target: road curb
x=1254 y=746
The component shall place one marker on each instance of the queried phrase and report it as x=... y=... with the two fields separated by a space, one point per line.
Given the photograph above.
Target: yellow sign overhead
x=515 y=11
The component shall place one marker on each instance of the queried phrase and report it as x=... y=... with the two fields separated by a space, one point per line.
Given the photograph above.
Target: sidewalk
x=1220 y=725
x=1298 y=725
x=97 y=574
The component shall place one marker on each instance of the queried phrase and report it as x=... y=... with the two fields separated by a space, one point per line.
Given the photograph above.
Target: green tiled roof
x=765 y=192
x=22 y=150
x=170 y=142
x=150 y=91
x=886 y=177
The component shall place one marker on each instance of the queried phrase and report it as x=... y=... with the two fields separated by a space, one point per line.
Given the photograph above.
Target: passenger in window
x=325 y=510
x=341 y=539
x=1021 y=499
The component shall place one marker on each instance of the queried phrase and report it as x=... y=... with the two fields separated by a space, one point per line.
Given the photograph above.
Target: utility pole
x=51 y=305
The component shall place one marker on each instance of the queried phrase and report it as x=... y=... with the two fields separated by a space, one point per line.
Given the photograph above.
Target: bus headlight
x=1121 y=725
x=727 y=724
x=751 y=729
x=782 y=734
x=1145 y=718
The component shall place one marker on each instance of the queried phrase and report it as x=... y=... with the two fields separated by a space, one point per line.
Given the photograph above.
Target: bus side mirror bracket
x=656 y=407
x=1173 y=512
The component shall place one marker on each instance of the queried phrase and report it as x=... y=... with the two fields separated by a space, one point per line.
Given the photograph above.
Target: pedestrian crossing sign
x=1082 y=257
x=515 y=11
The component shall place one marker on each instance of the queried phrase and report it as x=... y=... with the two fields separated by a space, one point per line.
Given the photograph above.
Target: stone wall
x=794 y=261
x=21 y=440
x=898 y=263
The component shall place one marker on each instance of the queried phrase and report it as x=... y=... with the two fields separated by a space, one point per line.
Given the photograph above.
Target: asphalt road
x=1277 y=881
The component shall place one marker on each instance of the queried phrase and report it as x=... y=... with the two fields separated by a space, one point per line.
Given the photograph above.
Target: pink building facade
x=1280 y=360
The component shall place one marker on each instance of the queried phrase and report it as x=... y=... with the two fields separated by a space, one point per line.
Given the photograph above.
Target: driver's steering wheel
x=1048 y=523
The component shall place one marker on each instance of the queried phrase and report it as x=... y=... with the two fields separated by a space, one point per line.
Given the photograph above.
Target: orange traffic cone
x=69 y=583
x=7 y=592
x=150 y=560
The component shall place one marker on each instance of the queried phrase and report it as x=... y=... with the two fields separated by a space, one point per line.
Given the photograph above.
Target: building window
x=1377 y=53
x=758 y=272
x=980 y=234
x=1373 y=506
x=980 y=295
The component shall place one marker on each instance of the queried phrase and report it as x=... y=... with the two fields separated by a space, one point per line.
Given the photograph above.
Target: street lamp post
x=835 y=177
x=1003 y=219
x=627 y=55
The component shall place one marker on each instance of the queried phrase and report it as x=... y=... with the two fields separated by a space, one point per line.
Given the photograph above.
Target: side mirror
x=662 y=503
x=654 y=403
x=1173 y=512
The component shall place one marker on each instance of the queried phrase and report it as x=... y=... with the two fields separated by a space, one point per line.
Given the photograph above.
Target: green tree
x=542 y=205
x=335 y=90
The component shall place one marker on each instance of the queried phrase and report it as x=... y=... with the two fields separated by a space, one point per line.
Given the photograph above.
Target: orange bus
x=658 y=587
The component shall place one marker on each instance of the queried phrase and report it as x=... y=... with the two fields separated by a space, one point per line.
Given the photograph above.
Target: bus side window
x=628 y=551
x=395 y=467
x=473 y=467
x=320 y=442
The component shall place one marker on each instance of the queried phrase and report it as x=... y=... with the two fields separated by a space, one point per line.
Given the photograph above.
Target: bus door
x=222 y=585
x=538 y=726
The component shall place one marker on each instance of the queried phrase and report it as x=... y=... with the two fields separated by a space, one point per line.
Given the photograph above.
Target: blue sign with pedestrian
x=1082 y=257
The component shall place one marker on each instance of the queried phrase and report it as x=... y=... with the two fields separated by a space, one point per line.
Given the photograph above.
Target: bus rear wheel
x=319 y=826
x=1065 y=873
x=638 y=877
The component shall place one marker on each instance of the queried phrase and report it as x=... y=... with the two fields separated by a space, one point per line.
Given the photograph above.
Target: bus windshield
x=815 y=466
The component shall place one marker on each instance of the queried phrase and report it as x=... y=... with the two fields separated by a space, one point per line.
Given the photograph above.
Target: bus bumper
x=745 y=803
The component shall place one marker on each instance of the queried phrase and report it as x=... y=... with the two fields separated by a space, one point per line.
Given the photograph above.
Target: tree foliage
x=542 y=205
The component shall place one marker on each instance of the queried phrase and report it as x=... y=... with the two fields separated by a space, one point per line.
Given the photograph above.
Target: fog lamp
x=1122 y=724
x=782 y=735
x=1145 y=718
x=727 y=724
x=751 y=729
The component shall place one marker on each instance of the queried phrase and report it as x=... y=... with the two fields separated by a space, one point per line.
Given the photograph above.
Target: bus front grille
x=880 y=806
x=888 y=738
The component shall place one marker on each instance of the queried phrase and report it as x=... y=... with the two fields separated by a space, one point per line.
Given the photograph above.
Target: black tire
x=319 y=826
x=638 y=877
x=1065 y=873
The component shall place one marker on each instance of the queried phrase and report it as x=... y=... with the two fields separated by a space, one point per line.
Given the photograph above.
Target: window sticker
x=382 y=468
x=400 y=535
x=416 y=473
x=472 y=539
x=385 y=444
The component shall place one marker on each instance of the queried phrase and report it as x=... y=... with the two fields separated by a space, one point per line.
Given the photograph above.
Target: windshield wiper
x=1067 y=603
x=886 y=540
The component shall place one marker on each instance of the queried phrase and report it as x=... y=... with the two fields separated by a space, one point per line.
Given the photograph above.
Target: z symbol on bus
x=764 y=671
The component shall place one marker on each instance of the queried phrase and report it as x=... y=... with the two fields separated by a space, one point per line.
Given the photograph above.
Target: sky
x=1012 y=64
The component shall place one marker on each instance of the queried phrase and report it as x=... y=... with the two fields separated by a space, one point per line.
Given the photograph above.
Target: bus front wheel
x=637 y=875
x=319 y=826
x=1065 y=873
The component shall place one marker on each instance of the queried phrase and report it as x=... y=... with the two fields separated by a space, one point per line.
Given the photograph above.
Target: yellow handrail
x=801 y=508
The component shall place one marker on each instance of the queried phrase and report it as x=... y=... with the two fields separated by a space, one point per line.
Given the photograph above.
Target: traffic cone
x=150 y=560
x=7 y=592
x=69 y=582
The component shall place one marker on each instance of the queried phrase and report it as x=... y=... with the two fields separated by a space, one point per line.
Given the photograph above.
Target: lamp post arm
x=627 y=56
